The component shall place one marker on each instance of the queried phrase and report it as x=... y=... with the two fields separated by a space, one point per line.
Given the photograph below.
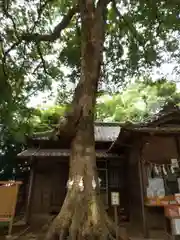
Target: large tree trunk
x=82 y=215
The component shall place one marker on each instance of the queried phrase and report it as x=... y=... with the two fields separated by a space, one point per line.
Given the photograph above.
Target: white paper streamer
x=164 y=170
x=172 y=168
x=93 y=183
x=81 y=185
x=99 y=181
x=156 y=170
x=70 y=183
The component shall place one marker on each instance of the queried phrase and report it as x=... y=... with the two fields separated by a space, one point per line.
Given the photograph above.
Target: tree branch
x=56 y=32
x=39 y=11
x=6 y=53
x=3 y=60
x=103 y=2
x=42 y=59
x=5 y=8
x=130 y=25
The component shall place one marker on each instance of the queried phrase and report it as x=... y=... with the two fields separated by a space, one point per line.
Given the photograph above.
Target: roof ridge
x=166 y=110
x=97 y=123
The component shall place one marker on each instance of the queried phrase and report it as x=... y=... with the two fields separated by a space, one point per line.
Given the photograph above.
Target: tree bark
x=92 y=30
x=82 y=215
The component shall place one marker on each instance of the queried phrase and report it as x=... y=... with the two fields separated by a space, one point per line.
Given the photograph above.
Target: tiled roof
x=106 y=132
x=164 y=112
x=103 y=132
x=59 y=153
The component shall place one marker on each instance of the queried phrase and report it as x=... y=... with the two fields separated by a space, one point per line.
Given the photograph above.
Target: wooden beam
x=177 y=147
x=155 y=130
x=126 y=145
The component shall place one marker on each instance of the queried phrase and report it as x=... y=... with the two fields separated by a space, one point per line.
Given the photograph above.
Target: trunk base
x=82 y=218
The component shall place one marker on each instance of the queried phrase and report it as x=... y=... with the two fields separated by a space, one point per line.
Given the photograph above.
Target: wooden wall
x=49 y=187
x=51 y=178
x=160 y=149
x=117 y=182
x=153 y=218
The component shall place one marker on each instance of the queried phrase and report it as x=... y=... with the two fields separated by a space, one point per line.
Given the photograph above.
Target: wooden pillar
x=177 y=147
x=108 y=189
x=142 y=191
x=30 y=192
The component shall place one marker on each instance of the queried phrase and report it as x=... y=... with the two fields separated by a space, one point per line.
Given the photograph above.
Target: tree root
x=82 y=219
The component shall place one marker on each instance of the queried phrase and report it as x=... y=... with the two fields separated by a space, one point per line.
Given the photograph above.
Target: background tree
x=131 y=36
x=137 y=101
x=15 y=125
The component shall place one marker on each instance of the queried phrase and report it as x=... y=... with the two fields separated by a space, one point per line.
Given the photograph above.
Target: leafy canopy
x=41 y=38
x=134 y=103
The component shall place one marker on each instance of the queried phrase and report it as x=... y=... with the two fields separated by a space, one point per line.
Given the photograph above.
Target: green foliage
x=135 y=103
x=138 y=101
x=137 y=33
x=46 y=119
x=9 y=149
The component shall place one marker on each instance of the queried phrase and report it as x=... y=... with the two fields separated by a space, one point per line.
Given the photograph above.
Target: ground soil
x=34 y=233
x=23 y=233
